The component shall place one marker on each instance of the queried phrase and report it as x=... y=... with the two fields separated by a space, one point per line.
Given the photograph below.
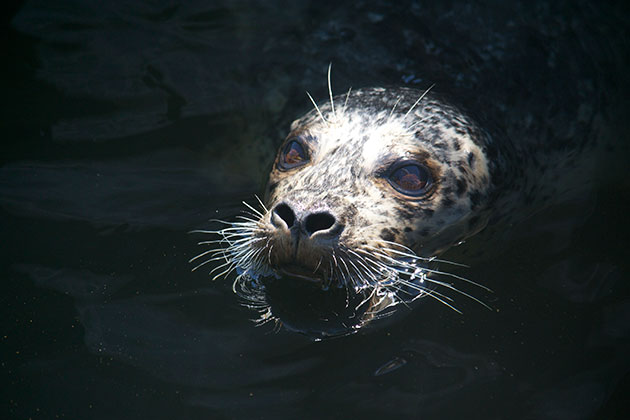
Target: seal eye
x=292 y=156
x=411 y=179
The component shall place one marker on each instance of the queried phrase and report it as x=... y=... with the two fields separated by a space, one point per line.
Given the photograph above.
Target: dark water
x=127 y=124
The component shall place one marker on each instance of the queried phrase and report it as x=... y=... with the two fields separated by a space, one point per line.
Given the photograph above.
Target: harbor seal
x=365 y=193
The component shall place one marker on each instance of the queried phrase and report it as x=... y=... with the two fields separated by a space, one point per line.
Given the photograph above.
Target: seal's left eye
x=292 y=156
x=411 y=179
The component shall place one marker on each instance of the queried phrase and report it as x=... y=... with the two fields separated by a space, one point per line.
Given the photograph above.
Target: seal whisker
x=341 y=258
x=377 y=264
x=238 y=228
x=242 y=243
x=347 y=282
x=367 y=298
x=215 y=241
x=444 y=273
x=213 y=250
x=378 y=254
x=207 y=262
x=231 y=241
x=355 y=280
x=450 y=286
x=442 y=301
x=391 y=113
x=317 y=108
x=200 y=265
x=237 y=282
x=318 y=265
x=412 y=254
x=378 y=311
x=418 y=101
x=366 y=271
x=345 y=103
x=246 y=219
x=237 y=236
x=261 y=204
x=211 y=232
x=235 y=226
x=417 y=123
x=328 y=279
x=219 y=267
x=332 y=102
x=423 y=289
x=257 y=212
x=404 y=268
x=347 y=300
x=333 y=257
x=220 y=258
x=384 y=271
x=429 y=270
x=251 y=214
x=357 y=272
x=243 y=255
x=269 y=252
x=234 y=240
x=203 y=254
x=216 y=221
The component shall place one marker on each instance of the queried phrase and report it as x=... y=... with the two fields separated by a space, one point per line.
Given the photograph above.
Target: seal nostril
x=285 y=213
x=318 y=221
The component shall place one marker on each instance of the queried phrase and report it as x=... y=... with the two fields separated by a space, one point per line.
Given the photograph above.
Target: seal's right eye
x=293 y=155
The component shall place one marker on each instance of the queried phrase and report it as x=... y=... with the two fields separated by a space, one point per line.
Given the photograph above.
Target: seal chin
x=308 y=308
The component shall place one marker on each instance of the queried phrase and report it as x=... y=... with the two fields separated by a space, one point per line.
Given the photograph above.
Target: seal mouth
x=300 y=272
x=311 y=308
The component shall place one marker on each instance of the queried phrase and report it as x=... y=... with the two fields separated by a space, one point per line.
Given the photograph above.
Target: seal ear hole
x=285 y=213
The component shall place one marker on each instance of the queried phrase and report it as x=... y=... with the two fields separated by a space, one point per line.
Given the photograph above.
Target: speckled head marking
x=364 y=193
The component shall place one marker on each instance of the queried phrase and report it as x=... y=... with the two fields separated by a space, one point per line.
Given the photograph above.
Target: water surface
x=126 y=125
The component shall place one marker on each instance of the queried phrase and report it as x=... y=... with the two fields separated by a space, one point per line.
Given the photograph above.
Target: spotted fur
x=366 y=237
x=351 y=152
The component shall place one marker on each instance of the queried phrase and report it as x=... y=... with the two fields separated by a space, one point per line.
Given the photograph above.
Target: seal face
x=365 y=192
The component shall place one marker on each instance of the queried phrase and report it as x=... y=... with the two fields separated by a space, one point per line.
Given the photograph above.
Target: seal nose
x=283 y=213
x=322 y=223
x=317 y=222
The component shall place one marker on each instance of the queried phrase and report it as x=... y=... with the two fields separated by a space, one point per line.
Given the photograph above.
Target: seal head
x=365 y=192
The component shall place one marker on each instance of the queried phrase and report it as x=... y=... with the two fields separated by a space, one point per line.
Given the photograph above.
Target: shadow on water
x=127 y=125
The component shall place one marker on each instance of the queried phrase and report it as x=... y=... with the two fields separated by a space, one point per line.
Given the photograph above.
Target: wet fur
x=387 y=250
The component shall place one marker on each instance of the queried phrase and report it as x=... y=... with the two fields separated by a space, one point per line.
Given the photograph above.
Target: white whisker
x=258 y=213
x=345 y=103
x=393 y=108
x=376 y=278
x=442 y=301
x=451 y=287
x=203 y=254
x=332 y=102
x=418 y=101
x=460 y=278
x=261 y=204
x=412 y=254
x=246 y=219
x=317 y=108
